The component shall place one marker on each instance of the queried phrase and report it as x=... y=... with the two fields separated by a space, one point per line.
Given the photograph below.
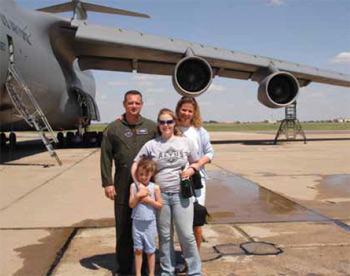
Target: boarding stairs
x=290 y=125
x=28 y=108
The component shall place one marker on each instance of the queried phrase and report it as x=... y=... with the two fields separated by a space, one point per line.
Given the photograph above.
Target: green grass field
x=267 y=127
x=254 y=126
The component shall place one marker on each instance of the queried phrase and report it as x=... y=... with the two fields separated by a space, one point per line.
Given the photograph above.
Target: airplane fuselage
x=46 y=62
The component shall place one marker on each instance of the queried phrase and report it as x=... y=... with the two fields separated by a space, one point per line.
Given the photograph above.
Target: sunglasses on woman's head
x=189 y=98
x=163 y=122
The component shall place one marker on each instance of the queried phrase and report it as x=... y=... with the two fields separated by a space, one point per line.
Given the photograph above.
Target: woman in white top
x=190 y=123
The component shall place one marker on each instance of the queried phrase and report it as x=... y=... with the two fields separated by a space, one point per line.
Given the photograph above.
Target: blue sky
x=307 y=32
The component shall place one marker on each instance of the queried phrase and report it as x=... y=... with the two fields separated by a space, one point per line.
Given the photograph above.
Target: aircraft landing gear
x=89 y=139
x=3 y=139
x=69 y=139
x=99 y=138
x=60 y=138
x=12 y=140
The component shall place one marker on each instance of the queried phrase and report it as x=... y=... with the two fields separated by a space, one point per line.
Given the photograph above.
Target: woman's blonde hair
x=196 y=120
x=166 y=111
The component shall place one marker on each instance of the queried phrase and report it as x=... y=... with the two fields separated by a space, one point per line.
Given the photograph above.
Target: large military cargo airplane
x=45 y=61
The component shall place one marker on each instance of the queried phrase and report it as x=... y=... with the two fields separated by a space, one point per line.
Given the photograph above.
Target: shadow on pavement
x=23 y=149
x=105 y=261
x=28 y=148
x=37 y=257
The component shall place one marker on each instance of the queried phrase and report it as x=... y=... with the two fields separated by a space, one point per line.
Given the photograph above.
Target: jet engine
x=278 y=89
x=192 y=76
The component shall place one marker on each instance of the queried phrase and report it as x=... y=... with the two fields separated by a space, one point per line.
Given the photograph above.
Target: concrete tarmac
x=275 y=209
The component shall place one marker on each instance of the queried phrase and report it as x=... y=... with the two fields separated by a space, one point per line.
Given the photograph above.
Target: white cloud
x=139 y=80
x=149 y=77
x=102 y=97
x=150 y=103
x=315 y=93
x=277 y=2
x=320 y=102
x=147 y=80
x=158 y=90
x=216 y=88
x=343 y=57
x=205 y=103
x=117 y=83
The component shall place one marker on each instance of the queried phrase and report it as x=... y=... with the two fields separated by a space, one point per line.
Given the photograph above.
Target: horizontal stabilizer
x=80 y=8
x=65 y=7
x=104 y=9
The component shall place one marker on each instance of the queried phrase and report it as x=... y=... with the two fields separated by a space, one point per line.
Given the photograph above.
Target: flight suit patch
x=128 y=133
x=141 y=131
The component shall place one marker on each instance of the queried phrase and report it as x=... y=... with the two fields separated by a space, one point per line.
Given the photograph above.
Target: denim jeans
x=179 y=211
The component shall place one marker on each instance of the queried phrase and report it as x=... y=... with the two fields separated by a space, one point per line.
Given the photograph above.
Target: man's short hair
x=132 y=92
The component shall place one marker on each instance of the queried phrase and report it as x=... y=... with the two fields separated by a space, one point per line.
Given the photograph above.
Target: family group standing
x=177 y=147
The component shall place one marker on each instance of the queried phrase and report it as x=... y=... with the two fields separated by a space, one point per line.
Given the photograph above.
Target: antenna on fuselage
x=80 y=9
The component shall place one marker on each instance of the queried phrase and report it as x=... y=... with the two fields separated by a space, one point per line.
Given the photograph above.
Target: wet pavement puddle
x=335 y=188
x=233 y=199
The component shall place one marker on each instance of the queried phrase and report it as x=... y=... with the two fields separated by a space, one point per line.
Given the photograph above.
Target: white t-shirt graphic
x=170 y=157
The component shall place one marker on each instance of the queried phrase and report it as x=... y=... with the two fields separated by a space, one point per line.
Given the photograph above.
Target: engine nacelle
x=192 y=76
x=279 y=89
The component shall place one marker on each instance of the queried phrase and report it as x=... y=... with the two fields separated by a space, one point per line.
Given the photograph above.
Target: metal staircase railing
x=290 y=125
x=28 y=108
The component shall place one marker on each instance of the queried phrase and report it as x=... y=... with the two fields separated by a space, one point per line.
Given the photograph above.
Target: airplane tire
x=90 y=139
x=99 y=138
x=93 y=138
x=86 y=139
x=3 y=139
x=60 y=138
x=12 y=140
x=69 y=139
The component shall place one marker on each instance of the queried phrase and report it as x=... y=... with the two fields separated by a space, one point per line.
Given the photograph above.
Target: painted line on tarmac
x=48 y=181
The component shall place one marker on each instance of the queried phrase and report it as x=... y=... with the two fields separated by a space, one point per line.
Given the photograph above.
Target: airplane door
x=88 y=108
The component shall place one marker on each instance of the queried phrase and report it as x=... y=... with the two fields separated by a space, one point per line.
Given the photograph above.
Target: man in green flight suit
x=122 y=140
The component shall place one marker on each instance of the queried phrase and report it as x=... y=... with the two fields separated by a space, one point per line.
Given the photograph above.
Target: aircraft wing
x=113 y=49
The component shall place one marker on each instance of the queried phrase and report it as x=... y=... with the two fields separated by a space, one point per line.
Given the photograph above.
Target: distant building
x=270 y=121
x=342 y=120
